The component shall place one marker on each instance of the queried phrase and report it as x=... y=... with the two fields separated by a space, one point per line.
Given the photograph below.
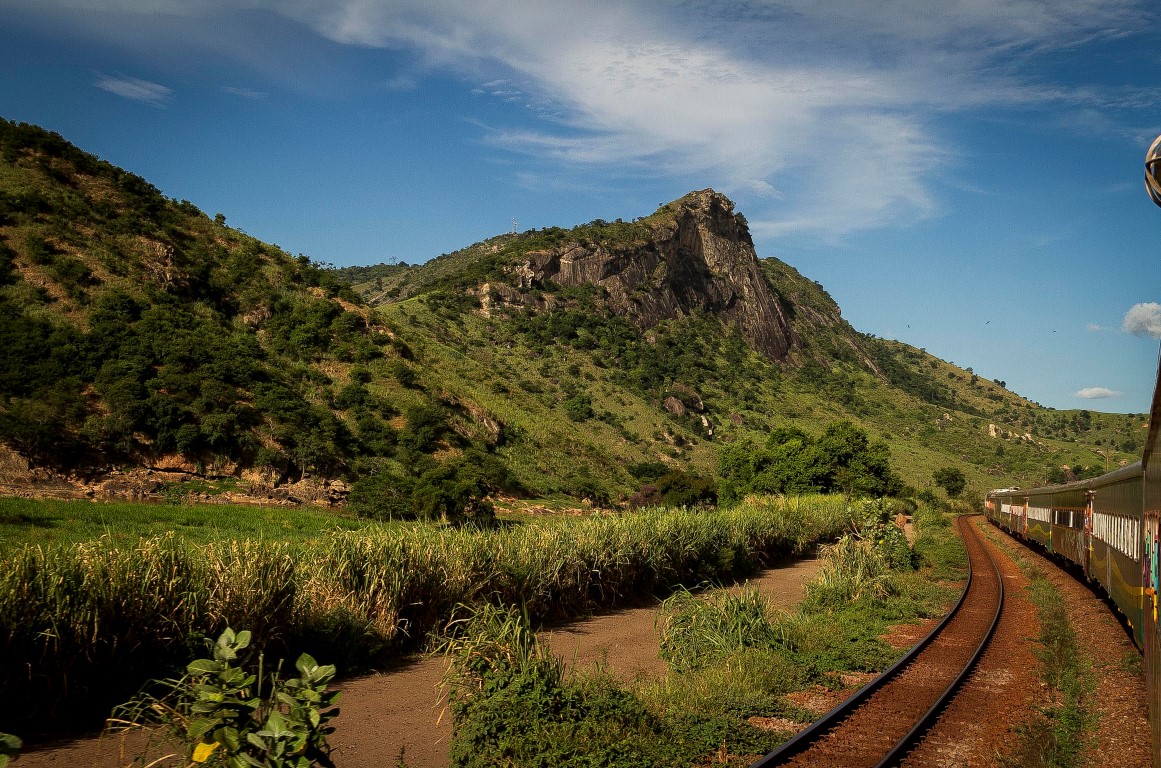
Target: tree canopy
x=841 y=460
x=951 y=480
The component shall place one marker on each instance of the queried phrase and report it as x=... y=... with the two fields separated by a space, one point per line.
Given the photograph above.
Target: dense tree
x=842 y=460
x=951 y=480
x=417 y=486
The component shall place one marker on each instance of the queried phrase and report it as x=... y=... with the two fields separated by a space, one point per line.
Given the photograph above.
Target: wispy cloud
x=245 y=93
x=135 y=89
x=1143 y=320
x=832 y=106
x=831 y=117
x=1096 y=327
x=1096 y=393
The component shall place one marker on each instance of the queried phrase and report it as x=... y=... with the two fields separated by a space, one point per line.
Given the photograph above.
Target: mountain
x=614 y=345
x=147 y=349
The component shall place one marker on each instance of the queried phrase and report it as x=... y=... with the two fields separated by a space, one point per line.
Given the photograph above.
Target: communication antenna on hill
x=514 y=223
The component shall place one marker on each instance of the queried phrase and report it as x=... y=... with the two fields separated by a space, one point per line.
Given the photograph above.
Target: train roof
x=1133 y=470
x=1117 y=475
x=1076 y=485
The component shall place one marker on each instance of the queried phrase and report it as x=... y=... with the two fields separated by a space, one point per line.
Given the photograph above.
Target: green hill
x=139 y=333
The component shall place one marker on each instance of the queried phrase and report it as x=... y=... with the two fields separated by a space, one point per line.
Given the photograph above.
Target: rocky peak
x=694 y=254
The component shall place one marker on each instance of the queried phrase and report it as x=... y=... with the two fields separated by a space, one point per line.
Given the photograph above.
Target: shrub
x=579 y=407
x=219 y=711
x=648 y=471
x=928 y=497
x=403 y=373
x=841 y=460
x=9 y=747
x=951 y=480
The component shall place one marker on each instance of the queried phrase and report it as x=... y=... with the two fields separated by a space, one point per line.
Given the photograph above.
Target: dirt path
x=401 y=709
x=1121 y=734
x=626 y=641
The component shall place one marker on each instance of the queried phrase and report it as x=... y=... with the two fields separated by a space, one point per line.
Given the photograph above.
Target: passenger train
x=1108 y=527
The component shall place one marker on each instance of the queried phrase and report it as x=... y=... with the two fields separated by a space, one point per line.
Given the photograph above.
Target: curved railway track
x=880 y=723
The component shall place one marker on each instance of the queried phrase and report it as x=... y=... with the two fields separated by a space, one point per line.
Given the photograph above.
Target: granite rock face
x=698 y=256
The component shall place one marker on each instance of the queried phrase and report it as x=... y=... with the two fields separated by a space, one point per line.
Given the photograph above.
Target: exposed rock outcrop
x=698 y=257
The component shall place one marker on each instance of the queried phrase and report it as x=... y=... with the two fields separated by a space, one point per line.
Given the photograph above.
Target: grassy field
x=29 y=521
x=86 y=623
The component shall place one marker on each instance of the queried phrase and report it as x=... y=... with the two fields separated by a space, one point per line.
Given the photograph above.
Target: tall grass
x=852 y=569
x=731 y=658
x=82 y=625
x=699 y=629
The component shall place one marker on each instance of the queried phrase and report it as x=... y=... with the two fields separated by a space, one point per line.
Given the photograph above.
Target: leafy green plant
x=219 y=711
x=9 y=748
x=842 y=460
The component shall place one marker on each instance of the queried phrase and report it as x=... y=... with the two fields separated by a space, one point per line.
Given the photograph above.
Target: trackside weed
x=1058 y=734
x=230 y=713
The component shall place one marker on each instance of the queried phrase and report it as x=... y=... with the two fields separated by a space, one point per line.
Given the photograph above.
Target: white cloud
x=1143 y=320
x=1096 y=393
x=829 y=104
x=135 y=89
x=762 y=188
x=1095 y=327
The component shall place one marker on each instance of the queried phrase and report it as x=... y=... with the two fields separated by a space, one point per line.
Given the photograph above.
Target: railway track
x=879 y=724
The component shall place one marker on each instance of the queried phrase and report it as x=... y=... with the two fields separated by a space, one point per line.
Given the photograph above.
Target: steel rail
x=904 y=745
x=806 y=737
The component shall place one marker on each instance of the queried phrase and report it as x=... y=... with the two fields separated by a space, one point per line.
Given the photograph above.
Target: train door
x=1086 y=545
x=1149 y=565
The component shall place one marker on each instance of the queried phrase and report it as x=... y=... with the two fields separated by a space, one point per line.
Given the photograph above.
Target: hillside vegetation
x=596 y=362
x=588 y=396
x=138 y=332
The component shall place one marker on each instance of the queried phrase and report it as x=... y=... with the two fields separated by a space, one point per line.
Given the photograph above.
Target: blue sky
x=964 y=176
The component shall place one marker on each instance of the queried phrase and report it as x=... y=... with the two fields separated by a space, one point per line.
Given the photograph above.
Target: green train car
x=1095 y=524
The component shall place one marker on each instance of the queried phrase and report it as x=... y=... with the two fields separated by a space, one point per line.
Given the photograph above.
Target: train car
x=1068 y=510
x=1038 y=516
x=1115 y=542
x=1096 y=524
x=1110 y=527
x=1010 y=509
